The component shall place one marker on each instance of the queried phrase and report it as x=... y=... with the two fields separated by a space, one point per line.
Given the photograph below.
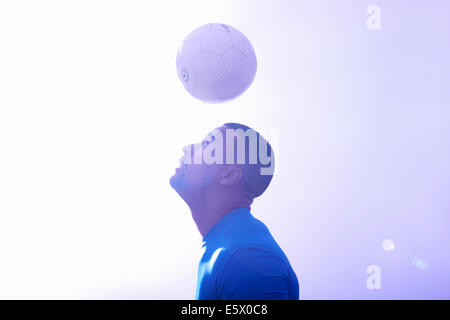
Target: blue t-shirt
x=242 y=261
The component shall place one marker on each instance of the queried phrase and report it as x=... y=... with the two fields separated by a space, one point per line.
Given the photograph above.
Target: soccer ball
x=216 y=63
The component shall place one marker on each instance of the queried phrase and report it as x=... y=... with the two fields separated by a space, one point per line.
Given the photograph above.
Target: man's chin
x=177 y=181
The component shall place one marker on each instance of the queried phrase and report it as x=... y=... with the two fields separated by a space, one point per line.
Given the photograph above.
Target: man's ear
x=230 y=175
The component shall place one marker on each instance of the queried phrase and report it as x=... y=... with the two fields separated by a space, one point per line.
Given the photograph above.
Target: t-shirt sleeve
x=253 y=274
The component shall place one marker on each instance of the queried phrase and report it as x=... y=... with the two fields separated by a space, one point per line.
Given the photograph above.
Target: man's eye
x=207 y=141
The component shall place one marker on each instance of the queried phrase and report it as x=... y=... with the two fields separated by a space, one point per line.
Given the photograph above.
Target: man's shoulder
x=249 y=240
x=251 y=262
x=253 y=236
x=252 y=255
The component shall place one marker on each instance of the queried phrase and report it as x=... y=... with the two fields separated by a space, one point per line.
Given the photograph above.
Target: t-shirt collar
x=221 y=225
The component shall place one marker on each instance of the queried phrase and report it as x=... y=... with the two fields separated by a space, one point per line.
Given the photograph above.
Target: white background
x=93 y=118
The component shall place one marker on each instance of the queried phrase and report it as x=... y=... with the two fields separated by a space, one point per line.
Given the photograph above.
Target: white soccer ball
x=216 y=63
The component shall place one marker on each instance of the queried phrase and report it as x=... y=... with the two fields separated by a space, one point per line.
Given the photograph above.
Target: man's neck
x=208 y=213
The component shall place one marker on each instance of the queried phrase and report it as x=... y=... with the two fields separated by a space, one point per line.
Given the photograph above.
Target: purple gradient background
x=371 y=132
x=379 y=167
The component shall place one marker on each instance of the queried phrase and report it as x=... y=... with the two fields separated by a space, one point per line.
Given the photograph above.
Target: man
x=218 y=179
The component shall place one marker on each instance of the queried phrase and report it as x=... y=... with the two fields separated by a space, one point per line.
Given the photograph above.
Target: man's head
x=232 y=161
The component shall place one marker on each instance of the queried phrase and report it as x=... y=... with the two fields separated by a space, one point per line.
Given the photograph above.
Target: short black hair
x=253 y=181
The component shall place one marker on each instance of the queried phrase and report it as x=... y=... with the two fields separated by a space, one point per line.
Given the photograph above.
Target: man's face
x=225 y=157
x=194 y=171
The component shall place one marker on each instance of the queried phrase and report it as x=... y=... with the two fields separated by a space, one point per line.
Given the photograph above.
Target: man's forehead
x=222 y=130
